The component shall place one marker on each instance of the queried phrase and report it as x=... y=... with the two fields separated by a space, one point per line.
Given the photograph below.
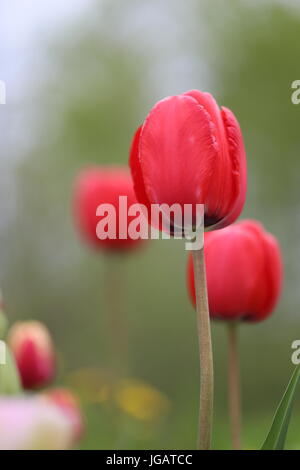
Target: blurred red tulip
x=244 y=272
x=69 y=405
x=32 y=347
x=189 y=151
x=104 y=185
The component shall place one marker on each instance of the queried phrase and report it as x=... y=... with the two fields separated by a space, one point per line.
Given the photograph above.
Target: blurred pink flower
x=68 y=403
x=33 y=424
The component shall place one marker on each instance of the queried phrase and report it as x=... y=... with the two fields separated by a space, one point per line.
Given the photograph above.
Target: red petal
x=271 y=279
x=36 y=368
x=234 y=262
x=237 y=156
x=103 y=185
x=228 y=187
x=210 y=105
x=244 y=272
x=136 y=171
x=274 y=272
x=178 y=148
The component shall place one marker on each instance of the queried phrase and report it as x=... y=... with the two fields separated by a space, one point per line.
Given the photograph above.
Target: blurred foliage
x=98 y=80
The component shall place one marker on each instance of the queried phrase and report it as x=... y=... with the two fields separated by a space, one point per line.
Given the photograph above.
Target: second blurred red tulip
x=104 y=185
x=244 y=272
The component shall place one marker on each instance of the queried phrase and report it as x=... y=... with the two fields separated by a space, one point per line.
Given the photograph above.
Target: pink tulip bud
x=32 y=347
x=33 y=424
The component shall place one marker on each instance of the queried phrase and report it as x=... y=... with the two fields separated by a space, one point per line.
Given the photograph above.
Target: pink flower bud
x=32 y=347
x=33 y=424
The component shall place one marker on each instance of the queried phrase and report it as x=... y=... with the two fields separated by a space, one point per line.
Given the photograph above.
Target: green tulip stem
x=117 y=326
x=205 y=353
x=234 y=396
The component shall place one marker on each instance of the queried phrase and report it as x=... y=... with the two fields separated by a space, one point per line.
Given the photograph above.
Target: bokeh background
x=81 y=75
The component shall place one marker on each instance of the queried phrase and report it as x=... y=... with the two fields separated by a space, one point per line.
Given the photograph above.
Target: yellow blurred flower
x=137 y=398
x=141 y=400
x=90 y=384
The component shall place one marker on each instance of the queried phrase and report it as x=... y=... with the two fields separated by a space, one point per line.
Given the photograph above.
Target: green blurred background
x=80 y=79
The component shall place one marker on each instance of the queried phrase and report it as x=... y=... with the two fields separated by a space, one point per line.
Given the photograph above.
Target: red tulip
x=244 y=272
x=68 y=404
x=104 y=185
x=32 y=347
x=189 y=151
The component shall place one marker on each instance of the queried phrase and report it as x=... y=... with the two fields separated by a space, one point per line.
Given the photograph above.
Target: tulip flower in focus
x=244 y=272
x=244 y=276
x=189 y=151
x=104 y=185
x=33 y=424
x=68 y=404
x=33 y=350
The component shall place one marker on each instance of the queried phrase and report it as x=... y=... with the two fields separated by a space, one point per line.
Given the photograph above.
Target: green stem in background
x=205 y=353
x=117 y=326
x=234 y=395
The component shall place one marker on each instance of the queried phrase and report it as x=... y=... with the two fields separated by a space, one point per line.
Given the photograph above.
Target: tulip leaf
x=9 y=376
x=277 y=435
x=3 y=323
